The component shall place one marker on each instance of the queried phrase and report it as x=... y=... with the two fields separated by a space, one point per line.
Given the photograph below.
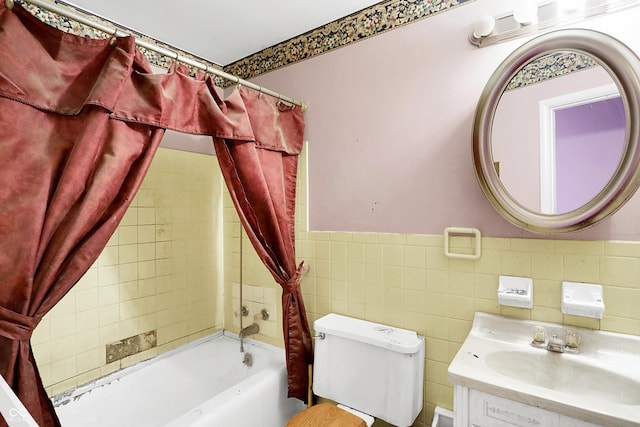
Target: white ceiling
x=223 y=31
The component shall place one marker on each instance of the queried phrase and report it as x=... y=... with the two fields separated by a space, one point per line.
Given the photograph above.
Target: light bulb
x=483 y=26
x=525 y=12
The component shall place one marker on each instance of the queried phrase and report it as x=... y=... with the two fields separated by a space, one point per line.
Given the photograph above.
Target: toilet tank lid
x=396 y=339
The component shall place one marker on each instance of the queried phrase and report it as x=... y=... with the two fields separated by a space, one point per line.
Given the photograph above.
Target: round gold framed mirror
x=556 y=135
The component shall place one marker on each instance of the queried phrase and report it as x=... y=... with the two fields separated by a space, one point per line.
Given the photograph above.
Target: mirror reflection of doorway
x=582 y=140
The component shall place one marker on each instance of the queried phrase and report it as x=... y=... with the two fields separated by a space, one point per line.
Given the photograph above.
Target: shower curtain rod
x=162 y=51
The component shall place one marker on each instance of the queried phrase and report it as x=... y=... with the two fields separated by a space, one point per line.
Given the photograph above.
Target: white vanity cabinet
x=475 y=408
x=501 y=380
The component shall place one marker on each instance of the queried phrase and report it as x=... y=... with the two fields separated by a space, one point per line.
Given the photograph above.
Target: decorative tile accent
x=256 y=298
x=382 y=17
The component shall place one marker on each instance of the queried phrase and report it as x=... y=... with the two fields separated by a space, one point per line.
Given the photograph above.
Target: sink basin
x=565 y=373
x=600 y=385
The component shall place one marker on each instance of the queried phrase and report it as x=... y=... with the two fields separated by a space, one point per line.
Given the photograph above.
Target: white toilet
x=371 y=370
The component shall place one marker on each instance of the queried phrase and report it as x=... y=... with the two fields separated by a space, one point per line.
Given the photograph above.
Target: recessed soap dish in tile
x=582 y=299
x=515 y=291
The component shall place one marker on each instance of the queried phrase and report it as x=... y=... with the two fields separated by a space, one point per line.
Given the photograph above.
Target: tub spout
x=249 y=330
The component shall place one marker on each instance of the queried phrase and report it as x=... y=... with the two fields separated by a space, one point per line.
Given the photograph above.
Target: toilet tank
x=374 y=368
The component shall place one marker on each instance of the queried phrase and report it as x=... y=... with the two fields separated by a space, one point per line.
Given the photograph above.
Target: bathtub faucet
x=249 y=330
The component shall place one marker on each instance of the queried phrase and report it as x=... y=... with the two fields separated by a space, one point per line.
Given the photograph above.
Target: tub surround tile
x=89 y=360
x=256 y=299
x=142 y=283
x=109 y=256
x=64 y=326
x=128 y=235
x=113 y=240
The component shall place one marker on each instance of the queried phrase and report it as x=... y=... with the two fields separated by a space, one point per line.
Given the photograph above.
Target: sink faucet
x=249 y=330
x=555 y=344
x=570 y=343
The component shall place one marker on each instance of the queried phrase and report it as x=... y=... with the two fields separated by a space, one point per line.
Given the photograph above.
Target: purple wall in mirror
x=589 y=144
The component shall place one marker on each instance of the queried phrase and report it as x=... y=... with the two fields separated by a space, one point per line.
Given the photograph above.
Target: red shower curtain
x=68 y=174
x=80 y=121
x=261 y=178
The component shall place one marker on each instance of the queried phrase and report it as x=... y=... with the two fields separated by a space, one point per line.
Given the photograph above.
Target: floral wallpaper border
x=549 y=67
x=70 y=26
x=382 y=17
x=377 y=19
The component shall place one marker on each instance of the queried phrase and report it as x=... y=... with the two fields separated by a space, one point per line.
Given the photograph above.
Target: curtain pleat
x=261 y=178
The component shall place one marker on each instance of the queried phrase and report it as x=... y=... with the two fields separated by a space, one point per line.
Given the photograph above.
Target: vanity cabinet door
x=486 y=410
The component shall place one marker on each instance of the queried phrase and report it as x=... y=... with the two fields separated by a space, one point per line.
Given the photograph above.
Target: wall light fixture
x=530 y=17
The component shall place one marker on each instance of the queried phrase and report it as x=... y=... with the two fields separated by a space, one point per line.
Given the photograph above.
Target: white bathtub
x=204 y=383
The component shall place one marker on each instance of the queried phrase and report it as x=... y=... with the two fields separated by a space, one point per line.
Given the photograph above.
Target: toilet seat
x=368 y=419
x=325 y=415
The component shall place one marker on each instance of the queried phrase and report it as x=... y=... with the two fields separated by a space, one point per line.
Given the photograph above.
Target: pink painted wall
x=389 y=128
